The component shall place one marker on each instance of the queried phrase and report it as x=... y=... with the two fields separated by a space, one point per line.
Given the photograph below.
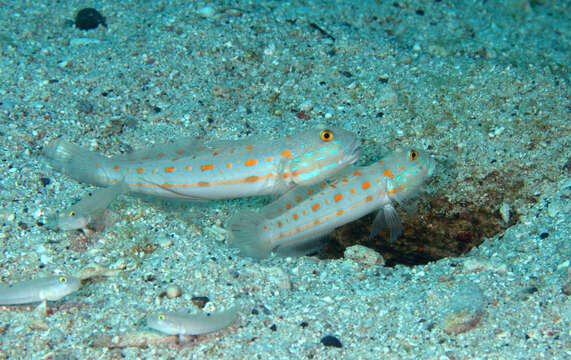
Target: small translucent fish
x=179 y=323
x=89 y=210
x=218 y=170
x=50 y=288
x=305 y=215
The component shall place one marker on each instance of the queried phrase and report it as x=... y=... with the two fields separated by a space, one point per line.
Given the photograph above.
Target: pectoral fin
x=387 y=217
x=393 y=221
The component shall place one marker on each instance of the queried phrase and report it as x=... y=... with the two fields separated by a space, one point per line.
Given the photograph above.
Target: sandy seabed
x=481 y=85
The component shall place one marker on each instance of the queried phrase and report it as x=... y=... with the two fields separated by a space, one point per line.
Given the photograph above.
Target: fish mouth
x=354 y=151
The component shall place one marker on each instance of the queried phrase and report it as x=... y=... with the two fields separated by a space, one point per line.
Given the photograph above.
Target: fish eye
x=71 y=213
x=326 y=135
x=412 y=155
x=62 y=279
x=161 y=317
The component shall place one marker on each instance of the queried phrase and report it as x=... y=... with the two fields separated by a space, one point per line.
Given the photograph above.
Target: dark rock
x=330 y=340
x=88 y=19
x=200 y=301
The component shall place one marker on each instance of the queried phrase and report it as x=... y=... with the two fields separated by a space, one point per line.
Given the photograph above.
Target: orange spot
x=252 y=178
x=97 y=165
x=232 y=151
x=357 y=173
x=369 y=198
x=345 y=180
x=288 y=206
x=304 y=212
x=251 y=162
x=115 y=167
x=366 y=185
x=392 y=191
x=268 y=159
x=352 y=191
x=380 y=162
x=215 y=153
x=388 y=173
x=338 y=197
x=280 y=224
x=339 y=212
x=170 y=169
x=145 y=157
x=286 y=153
x=179 y=152
x=228 y=166
x=265 y=227
x=295 y=216
x=203 y=183
x=327 y=202
x=249 y=147
x=316 y=222
x=140 y=170
x=286 y=175
x=310 y=191
x=332 y=186
x=298 y=198
x=207 y=167
x=188 y=168
x=322 y=185
x=315 y=207
x=161 y=155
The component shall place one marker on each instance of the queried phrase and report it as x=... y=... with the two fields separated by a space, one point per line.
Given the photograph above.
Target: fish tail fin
x=75 y=161
x=250 y=234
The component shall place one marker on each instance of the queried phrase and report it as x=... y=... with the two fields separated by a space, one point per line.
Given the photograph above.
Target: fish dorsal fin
x=178 y=147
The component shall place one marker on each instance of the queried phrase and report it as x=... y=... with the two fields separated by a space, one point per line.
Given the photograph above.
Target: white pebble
x=505 y=211
x=84 y=41
x=306 y=106
x=363 y=255
x=206 y=11
x=173 y=291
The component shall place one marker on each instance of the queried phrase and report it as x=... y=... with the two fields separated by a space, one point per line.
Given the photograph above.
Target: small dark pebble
x=84 y=106
x=420 y=12
x=304 y=324
x=346 y=73
x=543 y=235
x=88 y=19
x=331 y=341
x=44 y=181
x=530 y=290
x=273 y=327
x=149 y=277
x=200 y=301
x=255 y=312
